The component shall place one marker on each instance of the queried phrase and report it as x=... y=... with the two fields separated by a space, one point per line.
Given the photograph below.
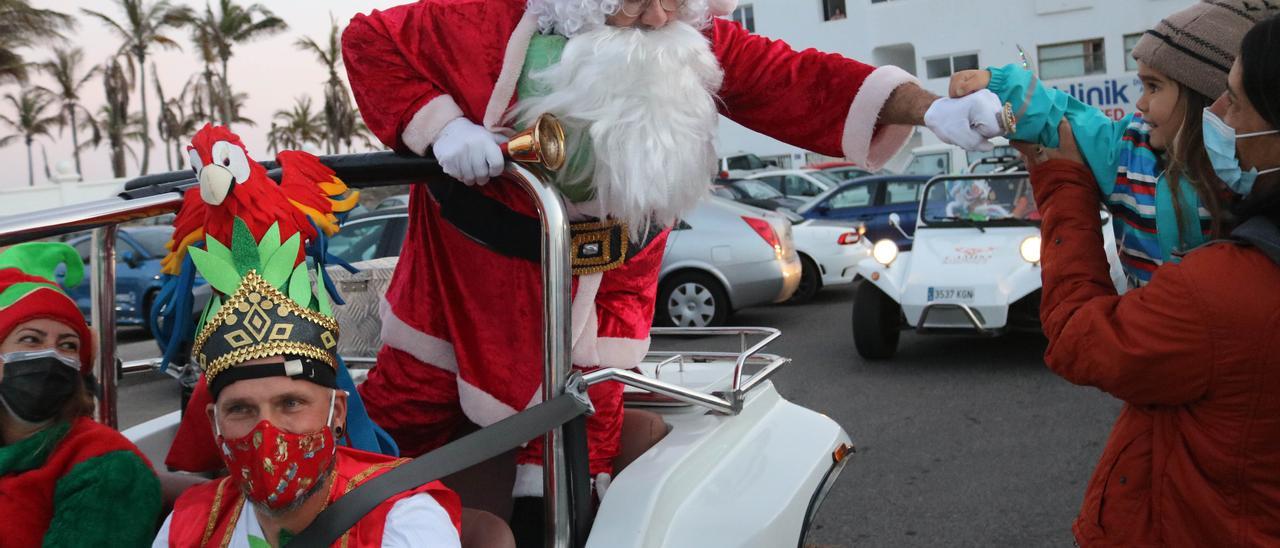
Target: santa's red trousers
x=462 y=333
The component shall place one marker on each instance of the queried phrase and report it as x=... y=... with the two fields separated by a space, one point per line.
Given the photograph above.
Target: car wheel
x=810 y=281
x=691 y=299
x=877 y=320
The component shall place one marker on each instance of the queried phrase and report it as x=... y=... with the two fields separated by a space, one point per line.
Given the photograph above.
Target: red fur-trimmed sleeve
x=400 y=99
x=819 y=101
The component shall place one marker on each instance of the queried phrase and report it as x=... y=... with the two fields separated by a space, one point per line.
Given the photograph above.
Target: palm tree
x=339 y=113
x=22 y=26
x=204 y=28
x=237 y=24
x=64 y=68
x=143 y=26
x=30 y=121
x=297 y=127
x=114 y=119
x=176 y=124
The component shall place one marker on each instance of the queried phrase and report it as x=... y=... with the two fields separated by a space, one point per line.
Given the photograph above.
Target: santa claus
x=639 y=85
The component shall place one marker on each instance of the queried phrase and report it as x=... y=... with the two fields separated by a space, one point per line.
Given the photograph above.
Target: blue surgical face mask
x=1220 y=142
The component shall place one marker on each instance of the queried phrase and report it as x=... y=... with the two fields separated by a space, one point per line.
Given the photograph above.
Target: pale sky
x=272 y=71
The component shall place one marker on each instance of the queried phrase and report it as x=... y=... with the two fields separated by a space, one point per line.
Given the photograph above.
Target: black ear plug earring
x=337 y=431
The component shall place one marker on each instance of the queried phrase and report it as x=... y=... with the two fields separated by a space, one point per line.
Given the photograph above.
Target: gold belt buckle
x=598 y=246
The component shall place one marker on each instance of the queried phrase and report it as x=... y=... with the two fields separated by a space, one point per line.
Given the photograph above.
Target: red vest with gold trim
x=206 y=514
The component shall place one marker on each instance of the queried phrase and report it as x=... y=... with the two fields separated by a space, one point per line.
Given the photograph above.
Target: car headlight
x=885 y=251
x=1030 y=249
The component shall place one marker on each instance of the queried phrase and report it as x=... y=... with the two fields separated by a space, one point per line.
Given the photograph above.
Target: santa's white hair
x=572 y=17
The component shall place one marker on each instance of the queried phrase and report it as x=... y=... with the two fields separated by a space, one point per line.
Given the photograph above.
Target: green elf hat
x=28 y=291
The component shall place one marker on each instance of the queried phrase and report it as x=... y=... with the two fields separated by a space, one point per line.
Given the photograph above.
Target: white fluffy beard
x=647 y=100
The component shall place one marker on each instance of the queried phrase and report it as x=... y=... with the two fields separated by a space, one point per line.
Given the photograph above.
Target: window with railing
x=746 y=16
x=944 y=67
x=834 y=10
x=1072 y=59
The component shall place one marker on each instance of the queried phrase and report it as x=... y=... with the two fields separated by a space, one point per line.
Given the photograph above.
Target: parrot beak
x=215 y=184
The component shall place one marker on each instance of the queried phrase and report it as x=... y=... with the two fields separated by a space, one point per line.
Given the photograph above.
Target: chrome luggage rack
x=728 y=403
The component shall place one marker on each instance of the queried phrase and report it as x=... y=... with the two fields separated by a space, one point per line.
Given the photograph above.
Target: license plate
x=951 y=294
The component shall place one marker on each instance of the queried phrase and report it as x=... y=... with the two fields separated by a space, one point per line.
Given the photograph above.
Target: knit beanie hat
x=1197 y=46
x=28 y=292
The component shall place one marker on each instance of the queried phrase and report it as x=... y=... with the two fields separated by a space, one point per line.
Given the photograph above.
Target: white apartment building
x=1081 y=46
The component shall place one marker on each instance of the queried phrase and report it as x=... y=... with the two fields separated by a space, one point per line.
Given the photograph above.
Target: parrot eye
x=196 y=164
x=233 y=158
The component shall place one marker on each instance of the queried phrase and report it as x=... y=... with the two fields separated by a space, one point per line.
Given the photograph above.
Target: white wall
x=992 y=28
x=17 y=201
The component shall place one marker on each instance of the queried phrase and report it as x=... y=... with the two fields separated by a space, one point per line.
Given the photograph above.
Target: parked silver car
x=723 y=257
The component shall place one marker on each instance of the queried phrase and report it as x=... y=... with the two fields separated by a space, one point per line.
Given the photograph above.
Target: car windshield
x=152 y=241
x=827 y=178
x=846 y=173
x=758 y=190
x=994 y=201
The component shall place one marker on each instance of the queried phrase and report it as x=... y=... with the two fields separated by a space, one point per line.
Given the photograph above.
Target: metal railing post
x=103 y=317
x=557 y=280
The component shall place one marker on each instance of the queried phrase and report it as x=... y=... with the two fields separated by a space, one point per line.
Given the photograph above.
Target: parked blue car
x=870 y=200
x=138 y=253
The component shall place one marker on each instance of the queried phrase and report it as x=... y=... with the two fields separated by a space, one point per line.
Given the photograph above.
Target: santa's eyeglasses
x=634 y=8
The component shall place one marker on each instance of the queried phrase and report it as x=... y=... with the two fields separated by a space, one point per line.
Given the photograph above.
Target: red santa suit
x=462 y=324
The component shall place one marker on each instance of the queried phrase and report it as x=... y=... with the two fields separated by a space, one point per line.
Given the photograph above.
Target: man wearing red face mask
x=277 y=415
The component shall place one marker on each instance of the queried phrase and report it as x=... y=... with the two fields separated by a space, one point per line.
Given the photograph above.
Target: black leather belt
x=596 y=246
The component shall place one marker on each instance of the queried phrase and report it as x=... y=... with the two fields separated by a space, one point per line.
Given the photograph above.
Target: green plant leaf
x=220 y=274
x=277 y=269
x=300 y=286
x=244 y=248
x=270 y=243
x=212 y=245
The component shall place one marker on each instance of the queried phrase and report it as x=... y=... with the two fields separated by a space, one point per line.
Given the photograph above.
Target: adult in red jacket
x=1194 y=459
x=638 y=85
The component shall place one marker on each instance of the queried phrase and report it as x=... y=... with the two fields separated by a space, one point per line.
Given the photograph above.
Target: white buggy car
x=974 y=266
x=712 y=454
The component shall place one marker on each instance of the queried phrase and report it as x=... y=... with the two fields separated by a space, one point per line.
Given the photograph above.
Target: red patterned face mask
x=276 y=468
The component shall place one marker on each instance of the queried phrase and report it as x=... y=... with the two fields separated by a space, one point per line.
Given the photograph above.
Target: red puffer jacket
x=1194 y=459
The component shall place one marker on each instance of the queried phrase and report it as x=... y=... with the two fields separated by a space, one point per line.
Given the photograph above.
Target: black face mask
x=37 y=384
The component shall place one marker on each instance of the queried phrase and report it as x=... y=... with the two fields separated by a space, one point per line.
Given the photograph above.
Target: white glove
x=469 y=152
x=966 y=121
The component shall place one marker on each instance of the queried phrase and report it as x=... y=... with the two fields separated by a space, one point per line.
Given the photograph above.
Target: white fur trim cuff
x=480 y=406
x=621 y=353
x=528 y=481
x=427 y=123
x=862 y=145
x=423 y=347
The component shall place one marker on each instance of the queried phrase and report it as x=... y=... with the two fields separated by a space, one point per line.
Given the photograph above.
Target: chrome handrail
x=557 y=281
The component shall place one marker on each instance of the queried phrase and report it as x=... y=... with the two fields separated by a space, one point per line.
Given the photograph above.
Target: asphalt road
x=961 y=441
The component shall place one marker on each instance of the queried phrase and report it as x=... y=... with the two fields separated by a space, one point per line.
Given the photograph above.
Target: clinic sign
x=1117 y=96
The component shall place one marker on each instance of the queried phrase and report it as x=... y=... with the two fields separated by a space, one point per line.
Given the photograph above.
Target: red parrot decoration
x=232 y=185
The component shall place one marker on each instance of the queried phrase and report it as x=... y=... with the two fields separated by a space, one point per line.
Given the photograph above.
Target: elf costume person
x=65 y=480
x=639 y=85
x=268 y=352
